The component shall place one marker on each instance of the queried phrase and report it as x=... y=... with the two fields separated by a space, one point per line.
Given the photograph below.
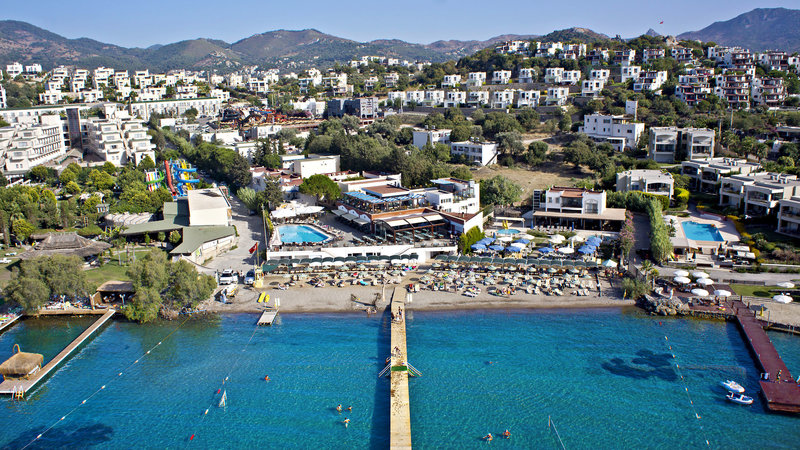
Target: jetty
x=20 y=386
x=782 y=394
x=399 y=406
x=7 y=323
x=268 y=316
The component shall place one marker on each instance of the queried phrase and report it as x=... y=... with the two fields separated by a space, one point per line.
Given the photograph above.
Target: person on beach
x=346 y=422
x=339 y=408
x=507 y=434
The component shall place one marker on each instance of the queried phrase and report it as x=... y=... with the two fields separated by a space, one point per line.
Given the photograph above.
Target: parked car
x=250 y=277
x=5 y=261
x=228 y=276
x=11 y=254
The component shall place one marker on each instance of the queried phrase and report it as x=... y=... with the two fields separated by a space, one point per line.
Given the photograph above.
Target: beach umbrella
x=552 y=270
x=610 y=263
x=722 y=293
x=477 y=247
x=522 y=241
x=496 y=248
x=705 y=281
x=681 y=273
x=682 y=280
x=782 y=298
x=700 y=292
x=594 y=240
x=785 y=284
x=557 y=239
x=505 y=239
x=492 y=268
x=545 y=249
x=437 y=265
x=567 y=250
x=586 y=249
x=517 y=245
x=699 y=274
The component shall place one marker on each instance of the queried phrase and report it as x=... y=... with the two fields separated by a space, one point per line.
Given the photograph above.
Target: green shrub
x=681 y=198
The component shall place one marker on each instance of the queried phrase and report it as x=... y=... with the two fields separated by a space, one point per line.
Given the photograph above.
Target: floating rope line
x=224 y=382
x=104 y=386
x=685 y=386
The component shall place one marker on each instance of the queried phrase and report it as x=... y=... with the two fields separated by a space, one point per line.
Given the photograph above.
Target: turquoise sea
x=607 y=378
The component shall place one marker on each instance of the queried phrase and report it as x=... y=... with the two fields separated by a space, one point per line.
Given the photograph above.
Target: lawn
x=109 y=271
x=750 y=290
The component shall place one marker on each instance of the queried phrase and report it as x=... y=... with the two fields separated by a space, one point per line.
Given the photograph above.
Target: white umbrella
x=609 y=263
x=782 y=298
x=682 y=280
x=557 y=239
x=700 y=292
x=567 y=250
x=705 y=281
x=785 y=284
x=722 y=293
x=699 y=274
x=681 y=273
x=505 y=238
x=576 y=238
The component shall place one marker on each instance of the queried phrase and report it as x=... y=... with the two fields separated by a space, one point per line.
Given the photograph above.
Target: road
x=250 y=229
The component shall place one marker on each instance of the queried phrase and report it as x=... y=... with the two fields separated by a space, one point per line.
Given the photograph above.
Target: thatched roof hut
x=21 y=364
x=65 y=244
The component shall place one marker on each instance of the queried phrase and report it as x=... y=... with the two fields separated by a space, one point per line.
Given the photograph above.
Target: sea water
x=606 y=378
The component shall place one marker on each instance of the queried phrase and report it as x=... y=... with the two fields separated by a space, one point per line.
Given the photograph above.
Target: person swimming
x=488 y=437
x=339 y=408
x=349 y=408
x=346 y=422
x=507 y=434
x=266 y=378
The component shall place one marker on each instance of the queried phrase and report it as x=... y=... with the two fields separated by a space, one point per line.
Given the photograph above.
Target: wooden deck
x=782 y=394
x=268 y=317
x=9 y=387
x=400 y=405
x=10 y=321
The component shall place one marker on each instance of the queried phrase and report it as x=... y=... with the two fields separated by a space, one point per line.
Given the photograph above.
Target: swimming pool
x=300 y=234
x=508 y=231
x=701 y=232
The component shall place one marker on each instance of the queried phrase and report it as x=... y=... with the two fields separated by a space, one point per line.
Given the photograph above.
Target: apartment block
x=390 y=80
x=706 y=174
x=557 y=96
x=501 y=77
x=789 y=216
x=479 y=153
x=592 y=88
x=734 y=87
x=502 y=99
x=118 y=139
x=423 y=137
x=762 y=192
x=557 y=75
x=26 y=145
x=669 y=144
x=652 y=54
x=205 y=106
x=624 y=57
x=363 y=107
x=650 y=80
x=649 y=181
x=3 y=102
x=454 y=99
x=616 y=130
x=477 y=98
x=770 y=92
x=525 y=98
x=682 y=55
x=600 y=74
x=527 y=75
x=630 y=73
x=451 y=80
x=774 y=60
x=476 y=79
x=597 y=56
x=576 y=208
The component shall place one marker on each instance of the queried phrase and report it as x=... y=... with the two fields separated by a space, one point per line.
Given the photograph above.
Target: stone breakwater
x=662 y=306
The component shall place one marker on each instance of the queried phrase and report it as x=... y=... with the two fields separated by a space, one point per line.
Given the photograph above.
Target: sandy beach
x=305 y=298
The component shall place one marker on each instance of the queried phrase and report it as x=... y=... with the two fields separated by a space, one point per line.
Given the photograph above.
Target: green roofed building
x=201 y=239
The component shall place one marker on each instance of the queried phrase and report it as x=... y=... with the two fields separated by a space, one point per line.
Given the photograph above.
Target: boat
x=732 y=386
x=223 y=402
x=739 y=398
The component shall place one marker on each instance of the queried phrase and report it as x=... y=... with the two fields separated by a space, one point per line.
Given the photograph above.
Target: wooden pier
x=268 y=316
x=399 y=406
x=15 y=386
x=782 y=394
x=10 y=321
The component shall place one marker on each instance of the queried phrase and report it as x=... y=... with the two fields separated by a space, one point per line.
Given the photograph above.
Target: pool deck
x=400 y=405
x=725 y=227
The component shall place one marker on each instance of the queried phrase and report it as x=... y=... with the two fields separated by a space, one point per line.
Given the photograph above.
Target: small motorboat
x=732 y=386
x=739 y=398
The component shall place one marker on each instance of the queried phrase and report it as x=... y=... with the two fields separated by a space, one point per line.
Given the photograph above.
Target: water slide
x=168 y=173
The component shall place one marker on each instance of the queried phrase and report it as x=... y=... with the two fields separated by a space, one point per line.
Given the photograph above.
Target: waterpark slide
x=168 y=173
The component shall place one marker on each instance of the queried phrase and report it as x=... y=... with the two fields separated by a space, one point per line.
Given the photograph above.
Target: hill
x=584 y=35
x=760 y=29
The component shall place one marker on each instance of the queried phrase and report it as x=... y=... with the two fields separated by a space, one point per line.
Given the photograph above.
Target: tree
x=72 y=188
x=191 y=114
x=321 y=187
x=499 y=190
x=565 y=124
x=468 y=239
x=537 y=153
x=22 y=229
x=271 y=196
x=528 y=118
x=248 y=197
x=146 y=163
x=101 y=180
x=28 y=292
x=39 y=279
x=174 y=237
x=510 y=142
x=39 y=174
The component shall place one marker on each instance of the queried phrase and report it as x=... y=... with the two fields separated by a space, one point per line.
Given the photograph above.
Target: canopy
x=681 y=273
x=577 y=238
x=496 y=248
x=705 y=281
x=609 y=263
x=699 y=274
x=522 y=241
x=567 y=250
x=682 y=280
x=785 y=284
x=21 y=364
x=782 y=298
x=557 y=239
x=594 y=240
x=485 y=241
x=478 y=247
x=587 y=249
x=546 y=249
x=700 y=292
x=722 y=293
x=517 y=245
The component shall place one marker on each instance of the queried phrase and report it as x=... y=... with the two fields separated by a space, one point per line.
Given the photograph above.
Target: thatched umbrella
x=21 y=364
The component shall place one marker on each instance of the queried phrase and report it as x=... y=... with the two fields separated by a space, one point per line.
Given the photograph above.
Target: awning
x=433 y=218
x=349 y=216
x=413 y=220
x=361 y=221
x=338 y=212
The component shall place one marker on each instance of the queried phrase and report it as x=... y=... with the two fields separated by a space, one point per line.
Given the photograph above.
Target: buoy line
x=686 y=388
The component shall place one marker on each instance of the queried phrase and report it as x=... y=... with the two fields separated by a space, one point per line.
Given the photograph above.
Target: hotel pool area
x=701 y=232
x=507 y=231
x=301 y=234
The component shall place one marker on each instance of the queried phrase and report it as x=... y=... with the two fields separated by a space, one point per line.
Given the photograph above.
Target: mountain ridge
x=758 y=30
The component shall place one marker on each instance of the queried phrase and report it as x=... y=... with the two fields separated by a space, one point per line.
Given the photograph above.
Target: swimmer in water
x=266 y=378
x=349 y=408
x=339 y=408
x=346 y=422
x=488 y=437
x=507 y=434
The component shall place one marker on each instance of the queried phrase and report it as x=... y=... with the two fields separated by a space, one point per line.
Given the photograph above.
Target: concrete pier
x=400 y=406
x=10 y=387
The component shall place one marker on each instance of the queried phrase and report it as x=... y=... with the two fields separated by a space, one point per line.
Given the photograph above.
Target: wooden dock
x=782 y=394
x=10 y=387
x=400 y=405
x=268 y=316
x=10 y=321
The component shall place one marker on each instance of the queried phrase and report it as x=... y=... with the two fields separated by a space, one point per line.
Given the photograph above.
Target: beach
x=304 y=298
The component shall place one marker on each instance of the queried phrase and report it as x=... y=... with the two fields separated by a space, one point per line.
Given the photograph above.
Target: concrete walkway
x=400 y=406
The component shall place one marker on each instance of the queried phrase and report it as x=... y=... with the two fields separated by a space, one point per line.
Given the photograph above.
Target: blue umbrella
x=478 y=247
x=586 y=250
x=546 y=249
x=522 y=241
x=496 y=248
x=486 y=241
x=594 y=240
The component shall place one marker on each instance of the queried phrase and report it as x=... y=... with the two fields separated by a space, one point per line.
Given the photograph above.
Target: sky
x=146 y=22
